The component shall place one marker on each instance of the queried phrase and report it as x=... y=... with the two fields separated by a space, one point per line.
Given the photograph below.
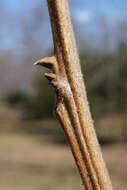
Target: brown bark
x=72 y=107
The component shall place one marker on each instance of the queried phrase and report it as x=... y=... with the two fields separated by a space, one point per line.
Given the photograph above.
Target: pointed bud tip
x=36 y=63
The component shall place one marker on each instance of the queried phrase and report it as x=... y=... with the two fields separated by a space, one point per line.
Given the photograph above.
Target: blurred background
x=34 y=154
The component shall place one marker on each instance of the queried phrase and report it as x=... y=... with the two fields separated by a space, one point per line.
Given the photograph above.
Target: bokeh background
x=34 y=154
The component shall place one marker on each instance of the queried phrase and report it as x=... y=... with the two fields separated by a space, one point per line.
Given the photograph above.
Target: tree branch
x=72 y=107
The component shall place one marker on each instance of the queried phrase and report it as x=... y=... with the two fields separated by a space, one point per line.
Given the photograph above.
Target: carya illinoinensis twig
x=72 y=109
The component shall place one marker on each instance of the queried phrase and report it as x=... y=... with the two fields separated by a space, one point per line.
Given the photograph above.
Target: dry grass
x=28 y=163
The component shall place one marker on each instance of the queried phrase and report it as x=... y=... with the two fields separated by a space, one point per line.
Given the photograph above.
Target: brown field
x=27 y=162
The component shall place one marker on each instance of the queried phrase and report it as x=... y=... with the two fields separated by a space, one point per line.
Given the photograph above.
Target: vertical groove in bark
x=72 y=107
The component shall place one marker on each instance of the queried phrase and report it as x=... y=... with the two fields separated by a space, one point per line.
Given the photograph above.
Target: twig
x=72 y=107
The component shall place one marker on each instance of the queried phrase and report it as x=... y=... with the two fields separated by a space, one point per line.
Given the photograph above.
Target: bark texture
x=72 y=107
